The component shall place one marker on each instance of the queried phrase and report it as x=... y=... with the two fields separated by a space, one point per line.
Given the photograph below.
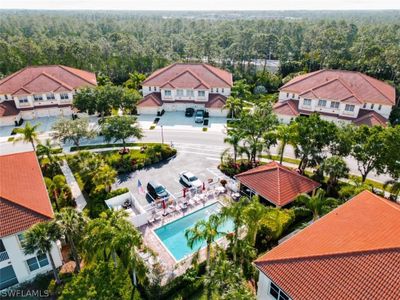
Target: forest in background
x=118 y=43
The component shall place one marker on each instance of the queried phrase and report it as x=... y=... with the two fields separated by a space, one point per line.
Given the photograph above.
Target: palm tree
x=57 y=187
x=254 y=213
x=335 y=168
x=234 y=212
x=235 y=106
x=71 y=224
x=317 y=203
x=41 y=237
x=104 y=177
x=234 y=138
x=28 y=134
x=284 y=133
x=205 y=230
x=46 y=151
x=394 y=188
x=112 y=235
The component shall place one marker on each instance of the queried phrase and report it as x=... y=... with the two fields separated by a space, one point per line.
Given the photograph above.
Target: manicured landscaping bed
x=96 y=172
x=102 y=146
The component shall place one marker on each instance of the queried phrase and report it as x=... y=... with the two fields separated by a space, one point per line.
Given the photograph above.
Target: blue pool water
x=172 y=235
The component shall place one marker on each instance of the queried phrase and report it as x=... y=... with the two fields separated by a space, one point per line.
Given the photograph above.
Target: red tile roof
x=42 y=79
x=370 y=118
x=287 y=108
x=365 y=117
x=276 y=183
x=23 y=196
x=8 y=108
x=191 y=75
x=351 y=253
x=216 y=101
x=151 y=100
x=342 y=86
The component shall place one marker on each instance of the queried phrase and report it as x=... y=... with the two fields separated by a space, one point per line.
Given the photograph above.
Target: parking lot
x=201 y=161
x=177 y=120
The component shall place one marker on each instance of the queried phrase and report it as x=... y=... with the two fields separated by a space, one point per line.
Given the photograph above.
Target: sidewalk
x=75 y=190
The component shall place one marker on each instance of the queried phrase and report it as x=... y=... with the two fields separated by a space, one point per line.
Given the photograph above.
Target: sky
x=202 y=4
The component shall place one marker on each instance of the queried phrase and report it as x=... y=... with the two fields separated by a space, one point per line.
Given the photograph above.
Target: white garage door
x=40 y=113
x=147 y=110
x=54 y=112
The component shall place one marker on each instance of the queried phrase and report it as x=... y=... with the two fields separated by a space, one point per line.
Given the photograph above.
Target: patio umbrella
x=204 y=186
x=164 y=205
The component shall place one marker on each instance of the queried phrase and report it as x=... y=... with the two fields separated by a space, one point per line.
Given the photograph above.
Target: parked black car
x=189 y=112
x=157 y=190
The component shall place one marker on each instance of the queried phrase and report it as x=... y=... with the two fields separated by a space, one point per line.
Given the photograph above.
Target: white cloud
x=201 y=4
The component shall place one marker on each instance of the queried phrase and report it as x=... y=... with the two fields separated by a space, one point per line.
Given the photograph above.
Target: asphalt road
x=214 y=140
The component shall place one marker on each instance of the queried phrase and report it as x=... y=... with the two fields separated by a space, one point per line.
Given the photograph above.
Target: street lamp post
x=162 y=135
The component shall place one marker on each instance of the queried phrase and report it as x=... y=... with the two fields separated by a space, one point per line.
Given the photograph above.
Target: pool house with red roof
x=275 y=183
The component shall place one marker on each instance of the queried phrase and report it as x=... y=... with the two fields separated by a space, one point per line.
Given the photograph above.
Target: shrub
x=152 y=127
x=259 y=90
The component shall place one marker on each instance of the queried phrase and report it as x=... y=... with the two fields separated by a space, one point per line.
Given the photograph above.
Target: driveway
x=201 y=161
x=176 y=120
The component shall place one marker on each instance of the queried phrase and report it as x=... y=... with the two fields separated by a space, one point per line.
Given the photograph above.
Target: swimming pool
x=172 y=235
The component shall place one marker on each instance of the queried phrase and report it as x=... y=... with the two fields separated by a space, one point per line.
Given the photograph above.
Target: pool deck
x=170 y=266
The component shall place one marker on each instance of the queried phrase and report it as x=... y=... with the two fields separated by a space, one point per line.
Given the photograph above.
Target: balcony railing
x=3 y=255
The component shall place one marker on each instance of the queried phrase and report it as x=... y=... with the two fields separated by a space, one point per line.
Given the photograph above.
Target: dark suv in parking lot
x=157 y=190
x=189 y=112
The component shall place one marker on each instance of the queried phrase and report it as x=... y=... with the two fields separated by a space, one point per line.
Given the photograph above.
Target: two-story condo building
x=179 y=86
x=353 y=252
x=339 y=96
x=24 y=201
x=41 y=91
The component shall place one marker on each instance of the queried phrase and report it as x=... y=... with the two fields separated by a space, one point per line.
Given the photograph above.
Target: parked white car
x=190 y=180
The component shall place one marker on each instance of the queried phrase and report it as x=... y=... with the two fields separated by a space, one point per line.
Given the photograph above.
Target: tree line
x=118 y=44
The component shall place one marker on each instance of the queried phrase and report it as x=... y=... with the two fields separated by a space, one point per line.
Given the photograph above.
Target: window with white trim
x=335 y=104
x=222 y=90
x=37 y=262
x=349 y=107
x=201 y=93
x=189 y=93
x=365 y=105
x=276 y=292
x=287 y=95
x=64 y=96
x=179 y=93
x=380 y=107
x=23 y=100
x=37 y=97
x=5 y=97
x=20 y=238
x=322 y=102
x=50 y=96
x=307 y=102
x=372 y=105
x=167 y=93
